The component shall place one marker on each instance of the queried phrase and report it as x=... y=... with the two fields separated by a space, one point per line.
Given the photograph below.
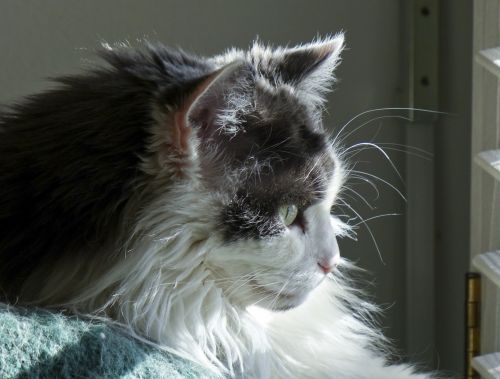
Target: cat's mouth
x=269 y=292
x=279 y=300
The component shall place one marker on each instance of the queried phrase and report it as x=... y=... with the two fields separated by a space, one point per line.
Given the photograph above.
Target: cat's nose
x=327 y=265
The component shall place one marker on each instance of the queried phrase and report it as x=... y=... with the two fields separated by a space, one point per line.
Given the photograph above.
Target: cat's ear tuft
x=317 y=59
x=208 y=100
x=213 y=96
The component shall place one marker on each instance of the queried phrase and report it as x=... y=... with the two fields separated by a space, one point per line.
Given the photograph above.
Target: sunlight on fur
x=167 y=212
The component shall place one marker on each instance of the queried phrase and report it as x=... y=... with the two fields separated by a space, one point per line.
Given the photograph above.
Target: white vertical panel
x=495 y=219
x=486 y=209
x=477 y=121
x=489 y=325
x=490 y=23
x=485 y=189
x=488 y=264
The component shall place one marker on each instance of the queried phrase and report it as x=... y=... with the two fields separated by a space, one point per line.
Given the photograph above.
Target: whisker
x=369 y=231
x=355 y=152
x=423 y=151
x=366 y=180
x=384 y=109
x=383 y=181
x=281 y=290
x=367 y=123
x=361 y=197
x=379 y=149
x=378 y=216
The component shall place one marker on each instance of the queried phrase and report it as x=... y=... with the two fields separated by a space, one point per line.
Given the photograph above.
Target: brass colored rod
x=472 y=321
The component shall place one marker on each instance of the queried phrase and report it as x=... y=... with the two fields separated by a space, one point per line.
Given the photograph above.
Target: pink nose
x=327 y=265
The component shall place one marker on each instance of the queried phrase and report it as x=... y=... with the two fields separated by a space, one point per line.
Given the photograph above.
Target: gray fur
x=70 y=176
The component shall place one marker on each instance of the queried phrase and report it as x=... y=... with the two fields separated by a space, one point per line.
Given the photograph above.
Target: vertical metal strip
x=472 y=322
x=424 y=60
x=420 y=237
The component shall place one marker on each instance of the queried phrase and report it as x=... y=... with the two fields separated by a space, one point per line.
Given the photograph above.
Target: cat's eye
x=288 y=213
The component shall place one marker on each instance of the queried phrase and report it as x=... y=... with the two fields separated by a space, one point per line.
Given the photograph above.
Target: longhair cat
x=189 y=200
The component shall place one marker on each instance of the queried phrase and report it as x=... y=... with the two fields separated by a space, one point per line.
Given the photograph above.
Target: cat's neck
x=161 y=291
x=177 y=303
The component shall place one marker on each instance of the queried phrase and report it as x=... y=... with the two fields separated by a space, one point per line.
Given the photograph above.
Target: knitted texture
x=40 y=344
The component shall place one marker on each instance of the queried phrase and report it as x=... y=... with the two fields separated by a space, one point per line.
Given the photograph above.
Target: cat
x=189 y=200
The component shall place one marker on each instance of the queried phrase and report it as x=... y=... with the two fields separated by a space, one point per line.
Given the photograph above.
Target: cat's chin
x=282 y=304
x=277 y=300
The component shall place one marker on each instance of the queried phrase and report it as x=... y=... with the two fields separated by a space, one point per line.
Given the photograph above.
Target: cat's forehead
x=274 y=101
x=275 y=142
x=301 y=182
x=279 y=160
x=274 y=125
x=277 y=145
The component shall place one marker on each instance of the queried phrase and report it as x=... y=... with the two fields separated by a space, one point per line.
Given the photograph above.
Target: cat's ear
x=313 y=61
x=205 y=103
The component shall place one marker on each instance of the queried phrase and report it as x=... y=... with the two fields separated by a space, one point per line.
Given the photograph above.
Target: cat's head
x=252 y=129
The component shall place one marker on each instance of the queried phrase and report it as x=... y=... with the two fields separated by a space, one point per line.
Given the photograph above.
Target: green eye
x=288 y=213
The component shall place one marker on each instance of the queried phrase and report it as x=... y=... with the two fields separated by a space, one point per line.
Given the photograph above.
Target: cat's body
x=189 y=200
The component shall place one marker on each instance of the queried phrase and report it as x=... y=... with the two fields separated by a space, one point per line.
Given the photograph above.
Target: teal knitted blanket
x=40 y=344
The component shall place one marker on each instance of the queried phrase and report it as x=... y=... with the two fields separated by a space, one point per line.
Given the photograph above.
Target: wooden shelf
x=488 y=366
x=490 y=162
x=490 y=60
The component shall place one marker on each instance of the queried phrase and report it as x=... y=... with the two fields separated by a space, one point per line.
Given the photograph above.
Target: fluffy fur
x=148 y=192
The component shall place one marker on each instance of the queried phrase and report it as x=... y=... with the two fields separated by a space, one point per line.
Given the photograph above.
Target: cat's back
x=69 y=157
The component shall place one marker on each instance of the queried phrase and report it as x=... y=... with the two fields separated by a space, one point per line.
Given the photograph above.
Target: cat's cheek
x=290 y=248
x=235 y=258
